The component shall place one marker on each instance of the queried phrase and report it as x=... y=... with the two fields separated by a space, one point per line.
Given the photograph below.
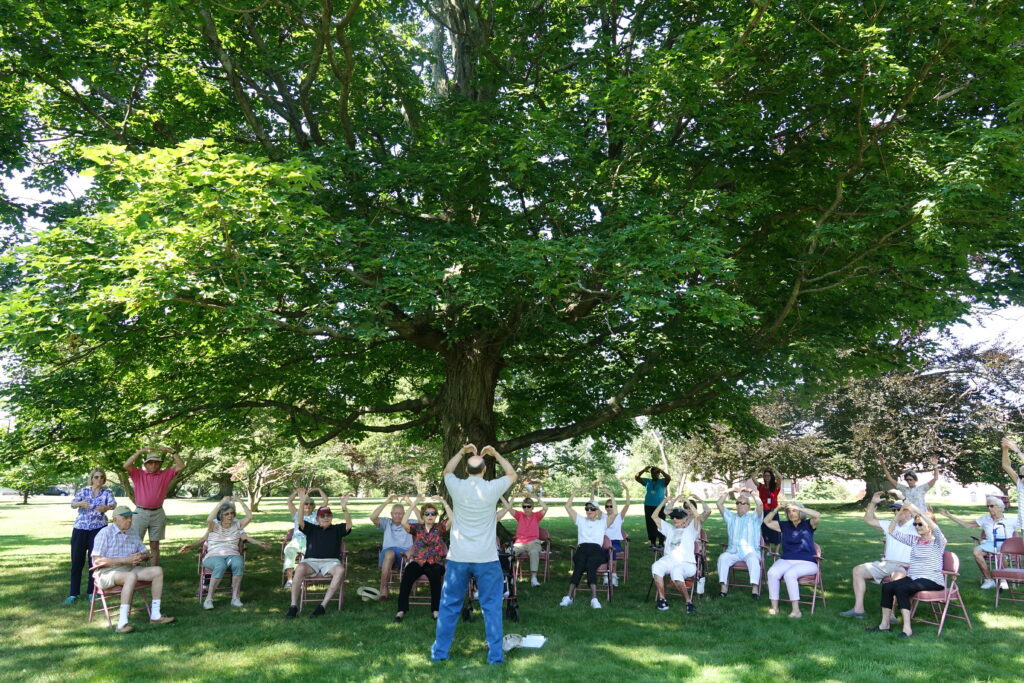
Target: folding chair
x=206 y=574
x=603 y=571
x=114 y=593
x=1010 y=568
x=319 y=581
x=700 y=551
x=741 y=566
x=395 y=575
x=545 y=556
x=991 y=558
x=285 y=540
x=622 y=562
x=815 y=581
x=947 y=596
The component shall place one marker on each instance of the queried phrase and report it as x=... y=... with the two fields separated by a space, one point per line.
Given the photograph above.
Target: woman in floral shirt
x=426 y=556
x=92 y=503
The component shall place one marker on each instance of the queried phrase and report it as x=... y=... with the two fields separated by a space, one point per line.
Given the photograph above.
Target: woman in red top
x=768 y=490
x=426 y=556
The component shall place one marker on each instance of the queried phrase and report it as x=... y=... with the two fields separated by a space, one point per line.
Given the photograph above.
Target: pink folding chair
x=1010 y=568
x=206 y=574
x=946 y=597
x=545 y=556
x=815 y=581
x=603 y=571
x=741 y=566
x=114 y=593
x=316 y=582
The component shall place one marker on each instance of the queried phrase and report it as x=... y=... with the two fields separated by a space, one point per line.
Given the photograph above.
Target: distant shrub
x=824 y=489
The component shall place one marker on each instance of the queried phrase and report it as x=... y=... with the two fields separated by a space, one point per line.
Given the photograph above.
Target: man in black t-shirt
x=323 y=548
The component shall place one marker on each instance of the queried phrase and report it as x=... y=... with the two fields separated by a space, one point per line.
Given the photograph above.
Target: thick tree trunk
x=225 y=486
x=467 y=400
x=873 y=481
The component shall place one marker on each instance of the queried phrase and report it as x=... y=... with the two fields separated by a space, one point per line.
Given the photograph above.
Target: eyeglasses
x=430 y=513
x=590 y=509
x=920 y=524
x=98 y=476
x=992 y=505
x=743 y=502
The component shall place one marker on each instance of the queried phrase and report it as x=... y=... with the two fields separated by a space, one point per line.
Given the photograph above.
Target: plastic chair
x=205 y=574
x=545 y=556
x=946 y=597
x=1010 y=568
x=323 y=581
x=114 y=593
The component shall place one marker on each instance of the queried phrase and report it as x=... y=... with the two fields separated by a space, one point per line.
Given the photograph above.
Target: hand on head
x=469 y=448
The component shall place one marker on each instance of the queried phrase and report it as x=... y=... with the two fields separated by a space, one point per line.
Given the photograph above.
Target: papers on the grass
x=533 y=640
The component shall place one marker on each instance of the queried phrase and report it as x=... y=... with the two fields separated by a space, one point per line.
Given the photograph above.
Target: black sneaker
x=293 y=612
x=661 y=604
x=690 y=608
x=318 y=612
x=755 y=596
x=720 y=595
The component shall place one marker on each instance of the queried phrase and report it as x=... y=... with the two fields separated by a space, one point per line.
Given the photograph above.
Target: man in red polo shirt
x=150 y=484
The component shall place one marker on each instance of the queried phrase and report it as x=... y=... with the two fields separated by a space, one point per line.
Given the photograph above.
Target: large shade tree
x=505 y=221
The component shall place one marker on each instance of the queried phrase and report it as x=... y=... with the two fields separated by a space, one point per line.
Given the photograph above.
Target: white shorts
x=680 y=571
x=321 y=567
x=884 y=569
x=106 y=577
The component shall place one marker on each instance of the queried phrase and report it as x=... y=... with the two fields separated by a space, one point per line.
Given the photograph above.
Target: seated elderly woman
x=426 y=556
x=798 y=555
x=924 y=573
x=681 y=531
x=223 y=537
x=997 y=526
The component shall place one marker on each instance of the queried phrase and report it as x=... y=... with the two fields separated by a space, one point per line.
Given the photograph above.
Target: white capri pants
x=788 y=571
x=727 y=560
x=679 y=570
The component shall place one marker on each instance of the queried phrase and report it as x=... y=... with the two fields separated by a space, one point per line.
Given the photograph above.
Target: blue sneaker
x=71 y=599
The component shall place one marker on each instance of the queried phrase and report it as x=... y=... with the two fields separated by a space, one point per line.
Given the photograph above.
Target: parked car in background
x=55 y=491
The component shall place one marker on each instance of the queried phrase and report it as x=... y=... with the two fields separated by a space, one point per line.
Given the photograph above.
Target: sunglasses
x=743 y=502
x=920 y=524
x=608 y=507
x=527 y=507
x=590 y=509
x=430 y=513
x=992 y=505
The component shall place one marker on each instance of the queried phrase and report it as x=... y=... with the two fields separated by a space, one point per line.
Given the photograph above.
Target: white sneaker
x=605 y=582
x=615 y=579
x=1003 y=586
x=594 y=603
x=235 y=602
x=566 y=601
x=208 y=603
x=988 y=584
x=288 y=583
x=534 y=582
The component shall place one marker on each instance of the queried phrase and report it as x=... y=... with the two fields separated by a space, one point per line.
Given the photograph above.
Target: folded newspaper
x=533 y=640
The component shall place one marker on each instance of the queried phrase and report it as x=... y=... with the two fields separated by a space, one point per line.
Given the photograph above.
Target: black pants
x=588 y=557
x=81 y=556
x=413 y=571
x=904 y=589
x=653 y=535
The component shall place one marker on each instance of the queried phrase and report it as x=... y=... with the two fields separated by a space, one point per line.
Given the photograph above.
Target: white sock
x=154 y=610
x=122 y=618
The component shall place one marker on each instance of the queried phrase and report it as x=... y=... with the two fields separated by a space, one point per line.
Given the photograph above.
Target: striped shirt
x=114 y=544
x=223 y=542
x=925 y=556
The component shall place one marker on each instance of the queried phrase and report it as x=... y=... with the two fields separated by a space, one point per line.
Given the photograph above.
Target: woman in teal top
x=656 y=486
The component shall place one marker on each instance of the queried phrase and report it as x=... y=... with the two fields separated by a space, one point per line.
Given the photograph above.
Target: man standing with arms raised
x=473 y=551
x=151 y=484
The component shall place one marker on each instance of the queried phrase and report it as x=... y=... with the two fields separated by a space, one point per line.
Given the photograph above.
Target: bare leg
x=211 y=588
x=301 y=569
x=154 y=553
x=905 y=613
x=859 y=575
x=385 y=572
x=774 y=609
x=979 y=557
x=884 y=624
x=236 y=587
x=681 y=585
x=337 y=576
x=659 y=586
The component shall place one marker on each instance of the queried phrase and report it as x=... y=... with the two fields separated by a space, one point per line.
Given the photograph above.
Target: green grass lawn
x=728 y=640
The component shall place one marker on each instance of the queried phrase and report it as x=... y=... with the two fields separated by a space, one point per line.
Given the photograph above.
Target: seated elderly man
x=894 y=562
x=323 y=547
x=117 y=553
x=744 y=528
x=397 y=541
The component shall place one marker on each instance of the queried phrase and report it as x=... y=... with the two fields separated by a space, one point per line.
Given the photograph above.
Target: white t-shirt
x=614 y=530
x=915 y=494
x=394 y=535
x=897 y=551
x=679 y=542
x=474 y=518
x=590 y=531
x=1000 y=530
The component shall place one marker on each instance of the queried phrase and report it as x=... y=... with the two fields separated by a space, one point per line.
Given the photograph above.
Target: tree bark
x=225 y=485
x=467 y=400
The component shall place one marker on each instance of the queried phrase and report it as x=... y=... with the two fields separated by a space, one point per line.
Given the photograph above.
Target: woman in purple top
x=798 y=554
x=92 y=503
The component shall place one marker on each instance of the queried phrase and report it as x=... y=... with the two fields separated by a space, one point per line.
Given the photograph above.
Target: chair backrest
x=543 y=534
x=950 y=562
x=1013 y=546
x=817 y=553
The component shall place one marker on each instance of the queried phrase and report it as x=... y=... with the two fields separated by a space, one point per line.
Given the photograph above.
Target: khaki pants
x=532 y=549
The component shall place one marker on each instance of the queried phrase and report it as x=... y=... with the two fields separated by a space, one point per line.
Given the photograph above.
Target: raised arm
x=886 y=473
x=292 y=510
x=211 y=519
x=615 y=506
x=720 y=503
x=505 y=464
x=1007 y=443
x=178 y=462
x=638 y=477
x=934 y=460
x=324 y=502
x=657 y=511
x=705 y=513
x=543 y=504
x=772 y=520
x=410 y=505
x=455 y=459
x=928 y=518
x=506 y=506
x=815 y=516
x=569 y=508
x=946 y=513
x=244 y=522
x=444 y=504
x=869 y=514
x=130 y=462
x=344 y=508
x=375 y=515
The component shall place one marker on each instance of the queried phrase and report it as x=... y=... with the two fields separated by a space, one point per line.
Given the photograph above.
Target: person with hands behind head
x=614 y=517
x=527 y=539
x=681 y=532
x=911 y=490
x=397 y=540
x=590 y=533
x=474 y=549
x=151 y=484
x=1016 y=477
x=323 y=550
x=116 y=554
x=744 y=528
x=426 y=556
x=768 y=490
x=92 y=502
x=997 y=529
x=224 y=536
x=798 y=554
x=923 y=574
x=297 y=544
x=655 y=488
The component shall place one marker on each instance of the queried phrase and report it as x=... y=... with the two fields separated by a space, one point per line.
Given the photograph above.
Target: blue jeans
x=218 y=565
x=489 y=581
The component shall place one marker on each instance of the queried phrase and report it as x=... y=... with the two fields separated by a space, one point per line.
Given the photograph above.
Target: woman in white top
x=1016 y=477
x=223 y=537
x=681 y=531
x=590 y=532
x=911 y=490
x=997 y=528
x=613 y=515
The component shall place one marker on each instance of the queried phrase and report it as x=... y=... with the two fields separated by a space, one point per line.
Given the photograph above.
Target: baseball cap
x=154 y=456
x=123 y=511
x=324 y=511
x=678 y=513
x=896 y=505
